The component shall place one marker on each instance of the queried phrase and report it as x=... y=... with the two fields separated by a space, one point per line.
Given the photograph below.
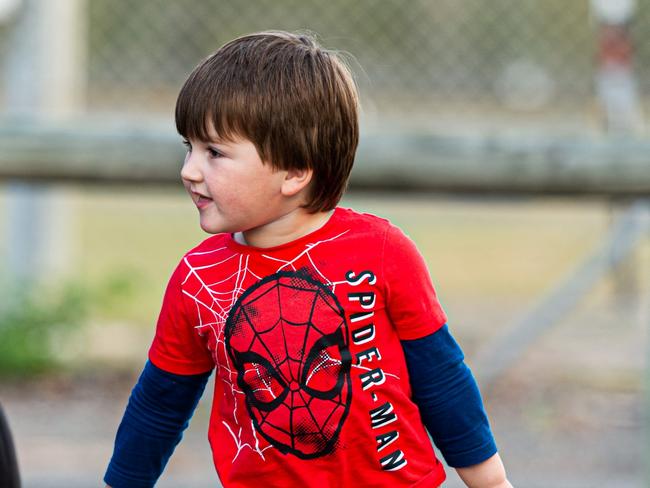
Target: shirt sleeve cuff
x=473 y=457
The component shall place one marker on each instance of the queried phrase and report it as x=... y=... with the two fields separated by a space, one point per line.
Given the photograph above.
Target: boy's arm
x=451 y=407
x=158 y=411
x=488 y=474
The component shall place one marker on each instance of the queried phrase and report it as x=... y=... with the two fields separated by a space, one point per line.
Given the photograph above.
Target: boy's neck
x=289 y=227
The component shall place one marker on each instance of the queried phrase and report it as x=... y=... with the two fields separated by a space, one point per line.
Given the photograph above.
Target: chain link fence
x=422 y=61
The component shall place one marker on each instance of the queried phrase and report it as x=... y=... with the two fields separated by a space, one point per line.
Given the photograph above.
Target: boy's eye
x=214 y=153
x=187 y=145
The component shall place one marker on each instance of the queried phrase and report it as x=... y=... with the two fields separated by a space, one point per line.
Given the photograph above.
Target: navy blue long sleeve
x=158 y=411
x=449 y=399
x=444 y=389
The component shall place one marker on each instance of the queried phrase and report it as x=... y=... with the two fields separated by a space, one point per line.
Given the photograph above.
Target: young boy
x=331 y=352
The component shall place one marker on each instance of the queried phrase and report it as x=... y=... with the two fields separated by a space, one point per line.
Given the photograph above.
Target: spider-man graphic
x=287 y=337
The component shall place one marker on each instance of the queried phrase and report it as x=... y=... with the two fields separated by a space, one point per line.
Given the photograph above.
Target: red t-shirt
x=311 y=385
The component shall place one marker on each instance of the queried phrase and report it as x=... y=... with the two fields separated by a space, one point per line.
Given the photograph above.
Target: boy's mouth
x=201 y=200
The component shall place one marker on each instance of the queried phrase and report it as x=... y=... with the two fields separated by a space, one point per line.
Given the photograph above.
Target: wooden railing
x=129 y=153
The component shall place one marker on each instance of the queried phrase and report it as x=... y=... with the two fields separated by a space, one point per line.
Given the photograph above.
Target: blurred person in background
x=616 y=84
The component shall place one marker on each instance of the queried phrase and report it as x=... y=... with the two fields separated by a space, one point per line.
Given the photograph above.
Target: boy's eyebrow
x=217 y=140
x=213 y=138
x=220 y=141
x=225 y=141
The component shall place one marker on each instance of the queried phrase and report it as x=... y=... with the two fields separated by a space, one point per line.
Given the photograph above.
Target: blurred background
x=508 y=138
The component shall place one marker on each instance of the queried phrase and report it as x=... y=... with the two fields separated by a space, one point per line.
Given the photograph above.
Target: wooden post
x=45 y=81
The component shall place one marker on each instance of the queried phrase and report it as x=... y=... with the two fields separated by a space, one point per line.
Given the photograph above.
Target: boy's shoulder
x=369 y=225
x=363 y=221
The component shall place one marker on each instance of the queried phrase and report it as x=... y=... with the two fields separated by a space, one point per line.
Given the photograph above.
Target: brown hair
x=294 y=100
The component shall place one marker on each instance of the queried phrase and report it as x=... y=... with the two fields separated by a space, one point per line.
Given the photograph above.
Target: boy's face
x=232 y=188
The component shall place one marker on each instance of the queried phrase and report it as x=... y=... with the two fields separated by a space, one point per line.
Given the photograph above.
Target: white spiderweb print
x=214 y=281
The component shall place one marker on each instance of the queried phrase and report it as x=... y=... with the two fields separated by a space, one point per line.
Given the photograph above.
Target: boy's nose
x=190 y=170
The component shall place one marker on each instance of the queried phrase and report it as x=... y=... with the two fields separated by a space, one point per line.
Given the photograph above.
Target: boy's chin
x=211 y=228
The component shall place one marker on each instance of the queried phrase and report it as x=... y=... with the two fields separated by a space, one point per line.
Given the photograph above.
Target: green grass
x=34 y=325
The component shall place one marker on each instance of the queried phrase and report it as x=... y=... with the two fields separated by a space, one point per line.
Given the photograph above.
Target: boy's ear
x=296 y=180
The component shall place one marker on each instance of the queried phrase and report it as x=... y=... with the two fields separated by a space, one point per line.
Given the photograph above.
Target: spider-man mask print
x=287 y=337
